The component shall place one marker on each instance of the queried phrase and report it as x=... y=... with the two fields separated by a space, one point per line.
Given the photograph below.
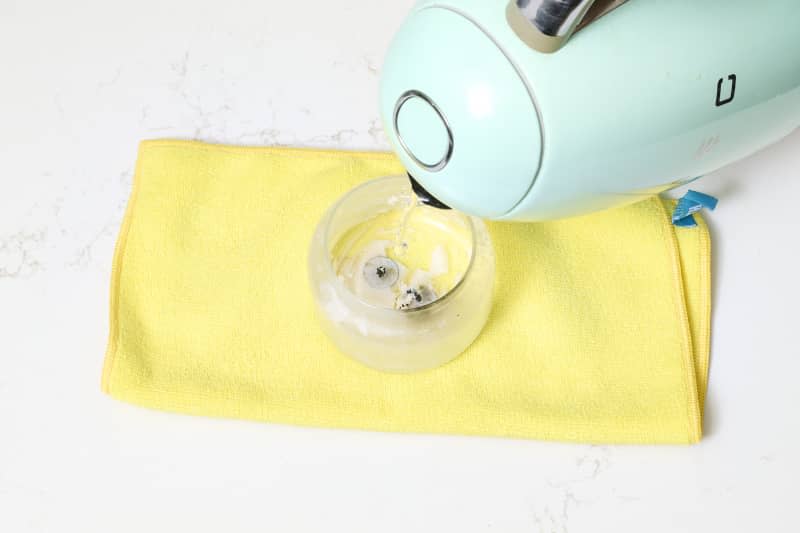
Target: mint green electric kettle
x=543 y=109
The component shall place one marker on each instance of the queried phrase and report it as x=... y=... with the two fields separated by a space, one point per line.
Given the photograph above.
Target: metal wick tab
x=381 y=272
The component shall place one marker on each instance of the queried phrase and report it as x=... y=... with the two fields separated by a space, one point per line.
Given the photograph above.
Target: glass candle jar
x=395 y=319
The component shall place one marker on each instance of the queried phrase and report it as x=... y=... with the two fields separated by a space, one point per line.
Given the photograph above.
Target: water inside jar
x=406 y=257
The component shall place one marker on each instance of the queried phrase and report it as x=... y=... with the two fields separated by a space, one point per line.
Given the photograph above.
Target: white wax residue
x=439 y=262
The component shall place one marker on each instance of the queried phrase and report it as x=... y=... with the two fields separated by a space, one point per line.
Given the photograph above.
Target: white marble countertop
x=84 y=81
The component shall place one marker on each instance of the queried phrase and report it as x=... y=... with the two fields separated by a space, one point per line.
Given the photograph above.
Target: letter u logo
x=720 y=100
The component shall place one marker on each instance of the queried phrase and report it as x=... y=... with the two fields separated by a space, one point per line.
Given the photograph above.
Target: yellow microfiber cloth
x=599 y=330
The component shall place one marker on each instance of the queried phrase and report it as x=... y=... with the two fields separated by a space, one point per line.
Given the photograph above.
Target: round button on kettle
x=423 y=131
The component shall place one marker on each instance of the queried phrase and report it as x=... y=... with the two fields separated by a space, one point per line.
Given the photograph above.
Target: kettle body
x=650 y=96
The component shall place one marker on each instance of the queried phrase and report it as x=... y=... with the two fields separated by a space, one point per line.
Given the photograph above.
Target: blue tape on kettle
x=691 y=203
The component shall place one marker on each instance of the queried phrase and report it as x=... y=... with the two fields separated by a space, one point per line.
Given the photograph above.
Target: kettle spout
x=424 y=196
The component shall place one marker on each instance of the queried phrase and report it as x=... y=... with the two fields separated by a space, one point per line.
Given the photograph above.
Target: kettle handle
x=546 y=25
